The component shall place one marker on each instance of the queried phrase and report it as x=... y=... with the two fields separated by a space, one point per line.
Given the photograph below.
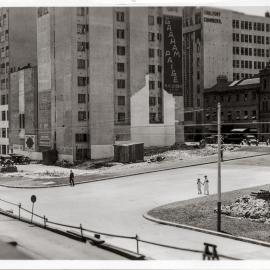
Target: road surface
x=117 y=206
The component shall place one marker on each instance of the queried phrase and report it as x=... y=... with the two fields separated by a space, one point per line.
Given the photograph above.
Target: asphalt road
x=116 y=206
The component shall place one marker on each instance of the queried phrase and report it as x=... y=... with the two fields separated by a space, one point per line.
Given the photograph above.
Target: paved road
x=117 y=206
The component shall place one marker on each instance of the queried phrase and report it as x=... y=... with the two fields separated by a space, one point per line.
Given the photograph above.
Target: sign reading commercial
x=172 y=55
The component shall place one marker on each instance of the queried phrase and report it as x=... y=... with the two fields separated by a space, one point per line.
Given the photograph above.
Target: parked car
x=250 y=140
x=6 y=160
x=213 y=139
x=20 y=159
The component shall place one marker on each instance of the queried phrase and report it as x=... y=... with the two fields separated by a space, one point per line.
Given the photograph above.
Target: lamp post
x=219 y=169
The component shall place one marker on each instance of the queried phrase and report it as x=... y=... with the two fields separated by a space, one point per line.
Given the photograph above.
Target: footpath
x=137 y=169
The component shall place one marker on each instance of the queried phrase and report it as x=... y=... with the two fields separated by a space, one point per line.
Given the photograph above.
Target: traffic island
x=200 y=214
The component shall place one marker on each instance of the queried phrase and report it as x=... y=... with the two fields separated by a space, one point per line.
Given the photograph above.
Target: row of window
x=4 y=149
x=248 y=64
x=152 y=85
x=154 y=36
x=81 y=11
x=152 y=53
x=233 y=98
x=233 y=115
x=152 y=68
x=248 y=38
x=82 y=28
x=250 y=26
x=4 y=116
x=4 y=132
x=4 y=84
x=154 y=101
x=4 y=100
x=248 y=51
x=4 y=36
x=238 y=76
x=4 y=68
x=151 y=20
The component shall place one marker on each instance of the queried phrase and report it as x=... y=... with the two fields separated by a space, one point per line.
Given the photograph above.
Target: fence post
x=44 y=221
x=81 y=229
x=137 y=241
x=20 y=205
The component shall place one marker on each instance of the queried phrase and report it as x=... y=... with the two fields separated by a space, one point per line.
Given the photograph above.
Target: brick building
x=239 y=104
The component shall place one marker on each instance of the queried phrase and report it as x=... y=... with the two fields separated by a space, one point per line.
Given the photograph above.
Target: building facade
x=101 y=77
x=239 y=102
x=17 y=48
x=218 y=42
x=23 y=103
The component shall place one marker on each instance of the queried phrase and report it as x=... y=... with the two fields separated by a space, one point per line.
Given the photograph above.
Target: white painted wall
x=152 y=134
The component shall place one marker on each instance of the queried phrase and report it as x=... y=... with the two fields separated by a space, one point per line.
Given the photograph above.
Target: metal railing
x=46 y=221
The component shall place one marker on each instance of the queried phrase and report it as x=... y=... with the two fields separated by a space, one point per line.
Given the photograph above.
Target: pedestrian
x=199 y=186
x=71 y=178
x=206 y=185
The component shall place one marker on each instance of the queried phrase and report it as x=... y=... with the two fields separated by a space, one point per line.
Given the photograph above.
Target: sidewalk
x=38 y=244
x=139 y=168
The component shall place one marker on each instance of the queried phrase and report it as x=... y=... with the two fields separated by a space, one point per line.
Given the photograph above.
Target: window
x=82 y=28
x=82 y=46
x=121 y=50
x=81 y=63
x=152 y=101
x=83 y=81
x=245 y=97
x=151 y=53
x=159 y=53
x=81 y=137
x=120 y=33
x=121 y=84
x=81 y=98
x=151 y=69
x=159 y=20
x=120 y=16
x=120 y=67
x=151 y=36
x=80 y=11
x=152 y=117
x=121 y=100
x=82 y=116
x=121 y=117
x=267 y=40
x=250 y=38
x=159 y=84
x=21 y=120
x=82 y=153
x=151 y=85
x=4 y=116
x=159 y=68
x=159 y=36
x=3 y=99
x=151 y=20
x=4 y=133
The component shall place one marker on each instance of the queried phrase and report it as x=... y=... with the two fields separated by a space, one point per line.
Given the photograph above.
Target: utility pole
x=219 y=169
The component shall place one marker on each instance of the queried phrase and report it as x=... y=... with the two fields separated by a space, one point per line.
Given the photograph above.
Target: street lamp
x=219 y=169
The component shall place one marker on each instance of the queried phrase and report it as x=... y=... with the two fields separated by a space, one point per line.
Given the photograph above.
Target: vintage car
x=19 y=159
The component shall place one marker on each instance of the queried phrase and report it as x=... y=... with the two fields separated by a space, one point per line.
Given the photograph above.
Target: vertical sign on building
x=172 y=55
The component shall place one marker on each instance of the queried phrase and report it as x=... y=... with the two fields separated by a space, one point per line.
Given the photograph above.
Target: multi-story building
x=17 y=48
x=239 y=104
x=218 y=42
x=107 y=74
x=23 y=109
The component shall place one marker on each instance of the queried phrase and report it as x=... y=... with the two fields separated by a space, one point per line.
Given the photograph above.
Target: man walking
x=71 y=178
x=199 y=186
x=206 y=185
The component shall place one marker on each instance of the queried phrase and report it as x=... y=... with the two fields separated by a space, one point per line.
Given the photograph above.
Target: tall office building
x=108 y=74
x=218 y=42
x=17 y=49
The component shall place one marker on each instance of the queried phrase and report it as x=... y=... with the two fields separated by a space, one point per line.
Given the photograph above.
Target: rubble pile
x=248 y=207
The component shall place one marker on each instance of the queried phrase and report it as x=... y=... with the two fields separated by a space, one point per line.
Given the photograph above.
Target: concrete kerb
x=182 y=226
x=134 y=174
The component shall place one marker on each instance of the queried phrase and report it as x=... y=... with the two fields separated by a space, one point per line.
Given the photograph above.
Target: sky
x=252 y=7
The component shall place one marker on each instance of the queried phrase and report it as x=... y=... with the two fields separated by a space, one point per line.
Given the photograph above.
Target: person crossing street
x=71 y=178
